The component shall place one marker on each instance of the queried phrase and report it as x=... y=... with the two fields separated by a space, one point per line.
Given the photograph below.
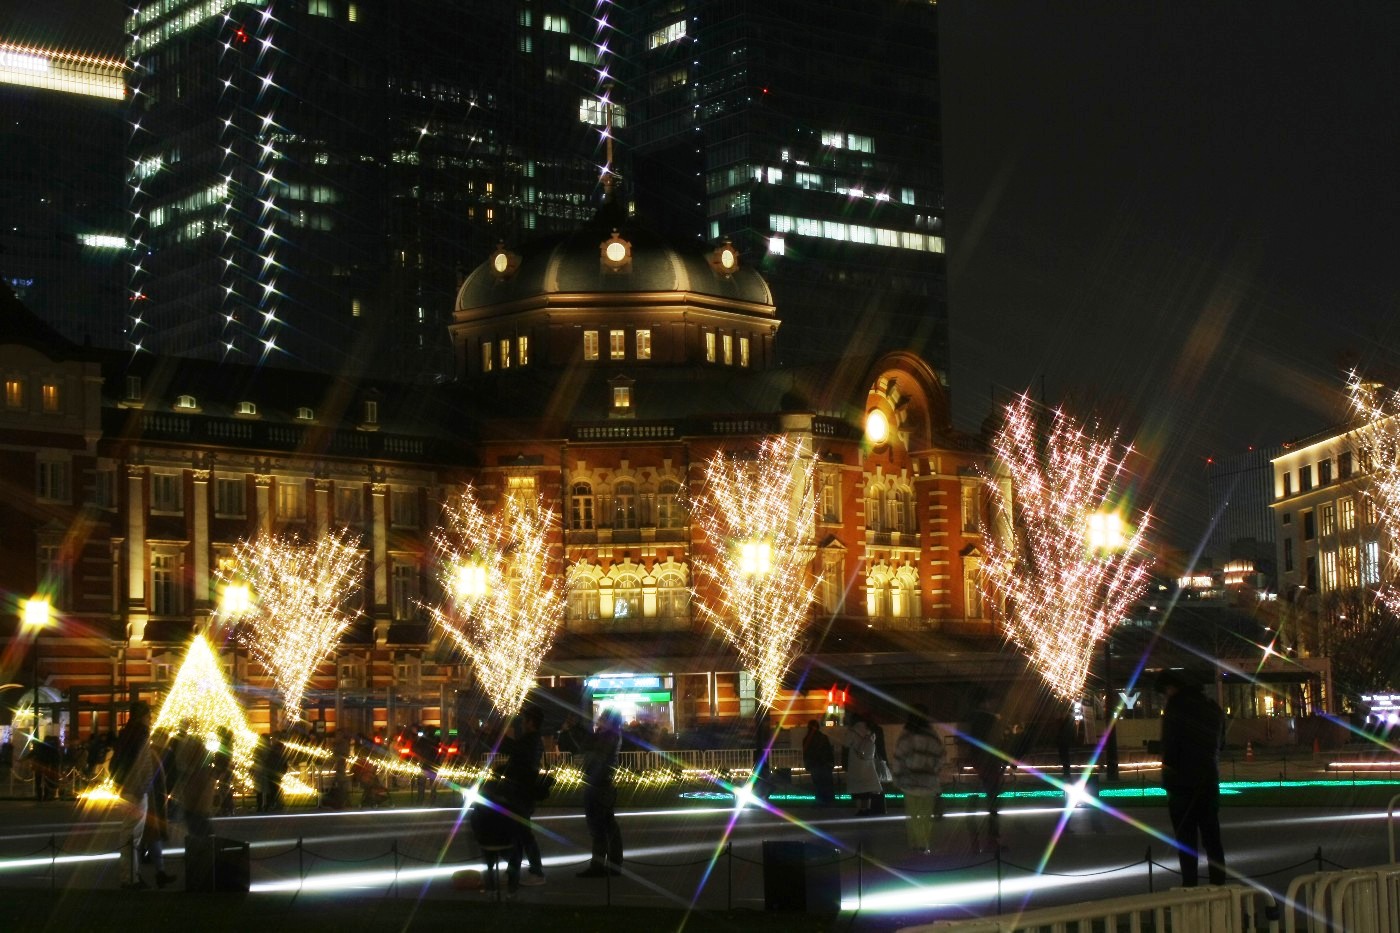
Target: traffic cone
x=1249 y=751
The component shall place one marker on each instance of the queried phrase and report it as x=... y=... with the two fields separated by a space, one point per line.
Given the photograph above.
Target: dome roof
x=573 y=264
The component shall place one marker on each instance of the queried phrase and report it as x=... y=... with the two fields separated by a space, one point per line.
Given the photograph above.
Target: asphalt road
x=710 y=857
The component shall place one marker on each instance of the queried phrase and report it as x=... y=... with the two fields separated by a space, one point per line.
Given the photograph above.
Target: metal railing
x=1358 y=900
x=1232 y=909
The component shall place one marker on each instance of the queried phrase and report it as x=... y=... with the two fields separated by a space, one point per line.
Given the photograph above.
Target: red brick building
x=600 y=370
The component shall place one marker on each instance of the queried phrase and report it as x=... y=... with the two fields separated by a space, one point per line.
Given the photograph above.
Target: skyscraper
x=62 y=243
x=308 y=176
x=807 y=132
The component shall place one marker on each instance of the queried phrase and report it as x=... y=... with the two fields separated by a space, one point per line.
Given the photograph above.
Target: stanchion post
x=394 y=848
x=53 y=864
x=301 y=865
x=860 y=875
x=998 y=879
x=1319 y=858
x=729 y=859
x=1150 y=889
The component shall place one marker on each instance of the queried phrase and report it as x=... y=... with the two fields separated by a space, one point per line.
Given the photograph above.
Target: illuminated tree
x=1060 y=566
x=759 y=516
x=501 y=605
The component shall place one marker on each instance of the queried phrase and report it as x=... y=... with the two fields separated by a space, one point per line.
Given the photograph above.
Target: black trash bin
x=216 y=863
x=801 y=876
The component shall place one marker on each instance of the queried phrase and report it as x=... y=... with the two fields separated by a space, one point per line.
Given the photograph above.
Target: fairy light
x=1060 y=564
x=298 y=608
x=1377 y=415
x=759 y=516
x=502 y=606
x=201 y=702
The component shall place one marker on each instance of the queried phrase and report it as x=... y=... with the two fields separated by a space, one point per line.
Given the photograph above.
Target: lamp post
x=37 y=617
x=1106 y=536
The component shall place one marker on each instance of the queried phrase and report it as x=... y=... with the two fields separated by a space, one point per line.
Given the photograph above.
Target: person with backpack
x=918 y=759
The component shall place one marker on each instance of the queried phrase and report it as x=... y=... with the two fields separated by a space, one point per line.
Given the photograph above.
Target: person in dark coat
x=600 y=796
x=819 y=759
x=1193 y=732
x=985 y=740
x=522 y=780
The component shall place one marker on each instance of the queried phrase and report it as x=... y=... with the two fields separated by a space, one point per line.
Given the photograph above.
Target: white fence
x=1230 y=909
x=1358 y=900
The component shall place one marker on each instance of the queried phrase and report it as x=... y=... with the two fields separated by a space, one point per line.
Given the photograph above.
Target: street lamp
x=1106 y=534
x=37 y=617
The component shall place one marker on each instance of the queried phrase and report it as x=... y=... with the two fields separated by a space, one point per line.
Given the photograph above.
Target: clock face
x=727 y=258
x=500 y=262
x=616 y=251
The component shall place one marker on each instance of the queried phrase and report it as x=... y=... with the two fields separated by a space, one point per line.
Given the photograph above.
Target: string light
x=759 y=517
x=201 y=702
x=501 y=606
x=1060 y=573
x=298 y=608
x=1377 y=416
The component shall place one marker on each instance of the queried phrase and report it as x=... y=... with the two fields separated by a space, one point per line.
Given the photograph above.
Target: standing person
x=572 y=736
x=862 y=778
x=762 y=750
x=223 y=772
x=918 y=759
x=1193 y=732
x=194 y=782
x=819 y=759
x=600 y=796
x=156 y=832
x=522 y=777
x=133 y=770
x=988 y=761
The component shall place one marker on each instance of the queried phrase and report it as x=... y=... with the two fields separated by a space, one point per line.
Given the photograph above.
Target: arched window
x=625 y=505
x=672 y=597
x=583 y=598
x=899 y=599
x=581 y=507
x=877 y=598
x=627 y=597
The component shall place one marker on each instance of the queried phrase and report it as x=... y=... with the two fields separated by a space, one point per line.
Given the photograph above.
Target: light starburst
x=501 y=605
x=298 y=609
x=759 y=517
x=1376 y=414
x=1059 y=591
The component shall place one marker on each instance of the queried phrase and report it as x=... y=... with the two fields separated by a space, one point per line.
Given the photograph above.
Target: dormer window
x=615 y=254
x=246 y=408
x=371 y=412
x=186 y=401
x=305 y=414
x=622 y=398
x=133 y=388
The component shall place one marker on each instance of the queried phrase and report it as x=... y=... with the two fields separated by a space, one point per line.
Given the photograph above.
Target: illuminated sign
x=103 y=240
x=70 y=72
x=653 y=696
x=23 y=62
x=615 y=683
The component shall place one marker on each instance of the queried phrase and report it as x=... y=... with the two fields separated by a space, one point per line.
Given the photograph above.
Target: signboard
x=610 y=683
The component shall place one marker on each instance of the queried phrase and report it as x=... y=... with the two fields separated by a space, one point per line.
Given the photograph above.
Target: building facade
x=600 y=371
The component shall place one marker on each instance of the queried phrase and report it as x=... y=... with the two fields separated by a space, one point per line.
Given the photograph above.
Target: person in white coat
x=862 y=777
x=918 y=758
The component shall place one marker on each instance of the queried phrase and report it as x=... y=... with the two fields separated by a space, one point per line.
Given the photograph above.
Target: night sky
x=1177 y=215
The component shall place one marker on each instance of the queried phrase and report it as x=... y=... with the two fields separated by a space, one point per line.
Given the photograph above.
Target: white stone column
x=263 y=503
x=135 y=553
x=323 y=507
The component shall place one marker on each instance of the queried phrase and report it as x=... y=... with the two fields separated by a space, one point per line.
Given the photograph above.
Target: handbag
x=882 y=771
